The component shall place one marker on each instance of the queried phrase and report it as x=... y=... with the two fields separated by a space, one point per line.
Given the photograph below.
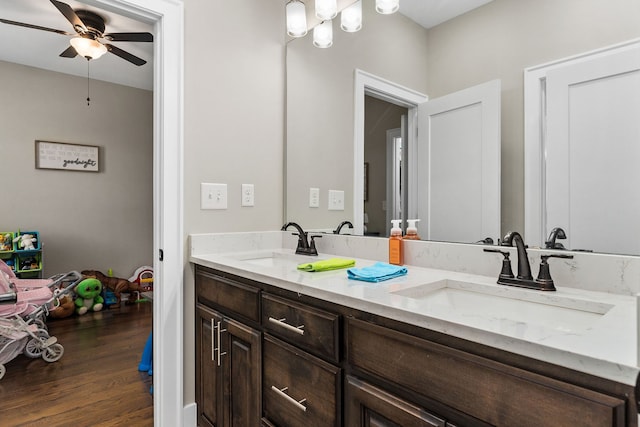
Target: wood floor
x=95 y=383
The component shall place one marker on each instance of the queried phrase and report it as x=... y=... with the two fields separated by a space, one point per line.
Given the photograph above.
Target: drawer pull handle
x=296 y=403
x=219 y=329
x=213 y=341
x=280 y=322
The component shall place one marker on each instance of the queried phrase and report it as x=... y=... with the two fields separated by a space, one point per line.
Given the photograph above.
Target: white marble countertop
x=595 y=333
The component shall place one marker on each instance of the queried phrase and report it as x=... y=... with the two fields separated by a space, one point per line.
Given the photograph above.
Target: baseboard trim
x=189 y=415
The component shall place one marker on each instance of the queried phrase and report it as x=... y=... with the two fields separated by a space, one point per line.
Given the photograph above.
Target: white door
x=593 y=152
x=459 y=165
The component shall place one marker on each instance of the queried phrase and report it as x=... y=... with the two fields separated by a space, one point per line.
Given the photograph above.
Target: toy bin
x=6 y=243
x=36 y=245
x=28 y=262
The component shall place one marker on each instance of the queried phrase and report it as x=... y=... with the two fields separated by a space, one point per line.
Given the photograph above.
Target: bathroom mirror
x=495 y=41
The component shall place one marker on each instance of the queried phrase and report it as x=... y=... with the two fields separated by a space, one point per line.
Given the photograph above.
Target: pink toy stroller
x=40 y=295
x=18 y=336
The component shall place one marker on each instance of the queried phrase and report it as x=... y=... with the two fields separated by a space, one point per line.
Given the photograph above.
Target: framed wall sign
x=73 y=157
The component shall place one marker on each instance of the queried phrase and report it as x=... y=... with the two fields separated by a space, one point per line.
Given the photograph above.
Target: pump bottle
x=412 y=230
x=396 y=255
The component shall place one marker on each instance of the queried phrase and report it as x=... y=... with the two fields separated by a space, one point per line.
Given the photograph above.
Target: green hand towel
x=328 y=264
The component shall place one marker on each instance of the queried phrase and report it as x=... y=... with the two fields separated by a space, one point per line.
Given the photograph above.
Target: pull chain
x=88 y=98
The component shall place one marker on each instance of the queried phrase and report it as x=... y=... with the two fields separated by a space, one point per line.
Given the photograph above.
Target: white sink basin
x=274 y=259
x=508 y=309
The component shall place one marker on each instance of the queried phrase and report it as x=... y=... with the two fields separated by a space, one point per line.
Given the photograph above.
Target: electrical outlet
x=314 y=197
x=336 y=200
x=213 y=196
x=247 y=195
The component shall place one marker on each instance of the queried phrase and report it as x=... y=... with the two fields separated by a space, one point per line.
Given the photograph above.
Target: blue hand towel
x=377 y=272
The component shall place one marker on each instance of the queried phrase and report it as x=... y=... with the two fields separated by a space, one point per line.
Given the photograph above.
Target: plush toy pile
x=115 y=284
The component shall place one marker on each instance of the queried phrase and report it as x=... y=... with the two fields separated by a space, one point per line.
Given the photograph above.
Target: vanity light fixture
x=387 y=7
x=351 y=17
x=296 y=15
x=326 y=9
x=323 y=34
x=88 y=48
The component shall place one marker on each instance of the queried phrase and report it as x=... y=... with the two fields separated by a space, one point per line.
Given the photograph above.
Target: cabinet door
x=228 y=371
x=240 y=355
x=369 y=406
x=208 y=373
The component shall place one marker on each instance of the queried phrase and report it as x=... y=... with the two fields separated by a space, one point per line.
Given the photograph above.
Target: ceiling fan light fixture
x=387 y=7
x=89 y=48
x=296 y=19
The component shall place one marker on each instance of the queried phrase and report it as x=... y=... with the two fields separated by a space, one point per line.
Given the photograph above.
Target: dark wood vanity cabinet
x=228 y=368
x=287 y=360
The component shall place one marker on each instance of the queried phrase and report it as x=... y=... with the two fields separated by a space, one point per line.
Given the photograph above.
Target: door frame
x=167 y=16
x=535 y=224
x=369 y=84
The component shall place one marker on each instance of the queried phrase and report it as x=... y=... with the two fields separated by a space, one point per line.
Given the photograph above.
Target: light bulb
x=296 y=19
x=323 y=34
x=326 y=9
x=89 y=48
x=387 y=7
x=351 y=17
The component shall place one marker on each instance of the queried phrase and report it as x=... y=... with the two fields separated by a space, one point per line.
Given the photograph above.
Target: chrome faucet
x=556 y=233
x=303 y=248
x=543 y=282
x=342 y=224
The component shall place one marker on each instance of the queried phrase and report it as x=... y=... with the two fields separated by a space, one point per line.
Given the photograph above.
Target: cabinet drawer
x=367 y=405
x=312 y=329
x=487 y=390
x=230 y=295
x=299 y=390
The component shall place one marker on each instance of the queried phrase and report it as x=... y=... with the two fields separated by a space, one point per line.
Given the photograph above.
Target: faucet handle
x=506 y=272
x=544 y=275
x=313 y=240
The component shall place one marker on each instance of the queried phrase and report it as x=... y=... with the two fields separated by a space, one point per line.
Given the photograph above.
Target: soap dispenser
x=396 y=255
x=412 y=230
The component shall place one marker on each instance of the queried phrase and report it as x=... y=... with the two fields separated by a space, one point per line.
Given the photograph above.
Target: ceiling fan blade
x=69 y=52
x=125 y=55
x=129 y=37
x=71 y=16
x=35 y=27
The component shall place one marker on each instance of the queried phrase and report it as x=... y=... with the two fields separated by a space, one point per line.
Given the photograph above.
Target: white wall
x=234 y=116
x=502 y=38
x=86 y=220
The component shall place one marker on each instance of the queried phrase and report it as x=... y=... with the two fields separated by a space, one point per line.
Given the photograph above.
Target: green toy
x=88 y=296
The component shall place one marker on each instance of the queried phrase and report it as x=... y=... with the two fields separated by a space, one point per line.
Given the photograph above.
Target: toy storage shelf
x=26 y=263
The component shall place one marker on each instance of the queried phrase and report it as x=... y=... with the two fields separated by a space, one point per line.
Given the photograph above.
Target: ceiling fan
x=89 y=35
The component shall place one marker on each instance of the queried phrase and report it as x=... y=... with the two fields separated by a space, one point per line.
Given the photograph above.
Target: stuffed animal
x=6 y=242
x=88 y=296
x=26 y=241
x=65 y=308
x=114 y=284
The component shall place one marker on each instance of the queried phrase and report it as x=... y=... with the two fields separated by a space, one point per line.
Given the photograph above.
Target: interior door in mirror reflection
x=593 y=152
x=459 y=158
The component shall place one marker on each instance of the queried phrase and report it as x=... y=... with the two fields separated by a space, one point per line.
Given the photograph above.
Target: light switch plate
x=336 y=200
x=247 y=195
x=314 y=197
x=213 y=196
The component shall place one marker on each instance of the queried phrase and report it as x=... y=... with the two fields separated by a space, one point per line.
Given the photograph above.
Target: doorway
x=168 y=246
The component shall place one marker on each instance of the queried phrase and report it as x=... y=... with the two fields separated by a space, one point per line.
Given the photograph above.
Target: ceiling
x=41 y=49
x=430 y=13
